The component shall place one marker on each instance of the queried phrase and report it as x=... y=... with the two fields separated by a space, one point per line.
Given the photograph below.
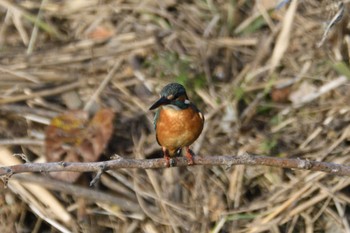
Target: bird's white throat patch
x=173 y=106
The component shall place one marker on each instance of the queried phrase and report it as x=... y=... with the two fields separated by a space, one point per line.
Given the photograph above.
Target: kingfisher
x=178 y=122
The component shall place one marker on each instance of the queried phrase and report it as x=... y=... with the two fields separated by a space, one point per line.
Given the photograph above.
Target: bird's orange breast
x=178 y=128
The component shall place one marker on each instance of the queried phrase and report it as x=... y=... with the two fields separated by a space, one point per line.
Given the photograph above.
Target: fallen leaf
x=280 y=95
x=71 y=137
x=100 y=33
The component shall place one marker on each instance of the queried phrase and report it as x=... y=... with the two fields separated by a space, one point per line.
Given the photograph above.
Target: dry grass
x=257 y=73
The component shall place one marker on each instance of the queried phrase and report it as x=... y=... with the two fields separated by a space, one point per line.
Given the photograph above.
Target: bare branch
x=332 y=168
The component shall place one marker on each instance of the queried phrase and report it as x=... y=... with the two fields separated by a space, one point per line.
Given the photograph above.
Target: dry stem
x=331 y=168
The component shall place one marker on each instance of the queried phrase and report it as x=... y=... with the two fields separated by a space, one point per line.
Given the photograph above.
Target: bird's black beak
x=163 y=100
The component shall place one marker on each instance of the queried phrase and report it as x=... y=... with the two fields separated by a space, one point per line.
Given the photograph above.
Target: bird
x=177 y=122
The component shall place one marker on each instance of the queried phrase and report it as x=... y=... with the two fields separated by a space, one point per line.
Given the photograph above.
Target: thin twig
x=47 y=92
x=49 y=28
x=97 y=177
x=102 y=85
x=35 y=31
x=20 y=74
x=331 y=168
x=336 y=19
x=78 y=191
x=25 y=110
x=22 y=141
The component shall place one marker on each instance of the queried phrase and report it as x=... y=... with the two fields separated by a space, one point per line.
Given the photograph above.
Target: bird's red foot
x=169 y=162
x=189 y=156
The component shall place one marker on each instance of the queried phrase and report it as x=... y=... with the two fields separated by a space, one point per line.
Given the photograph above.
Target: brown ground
x=262 y=77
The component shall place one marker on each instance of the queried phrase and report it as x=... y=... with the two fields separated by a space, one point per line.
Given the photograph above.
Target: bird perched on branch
x=178 y=122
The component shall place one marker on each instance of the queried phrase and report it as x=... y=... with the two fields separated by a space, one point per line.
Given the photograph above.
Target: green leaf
x=342 y=68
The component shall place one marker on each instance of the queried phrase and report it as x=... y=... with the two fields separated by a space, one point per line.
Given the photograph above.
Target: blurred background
x=271 y=78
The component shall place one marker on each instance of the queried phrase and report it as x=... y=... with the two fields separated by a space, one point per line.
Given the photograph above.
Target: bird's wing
x=197 y=110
